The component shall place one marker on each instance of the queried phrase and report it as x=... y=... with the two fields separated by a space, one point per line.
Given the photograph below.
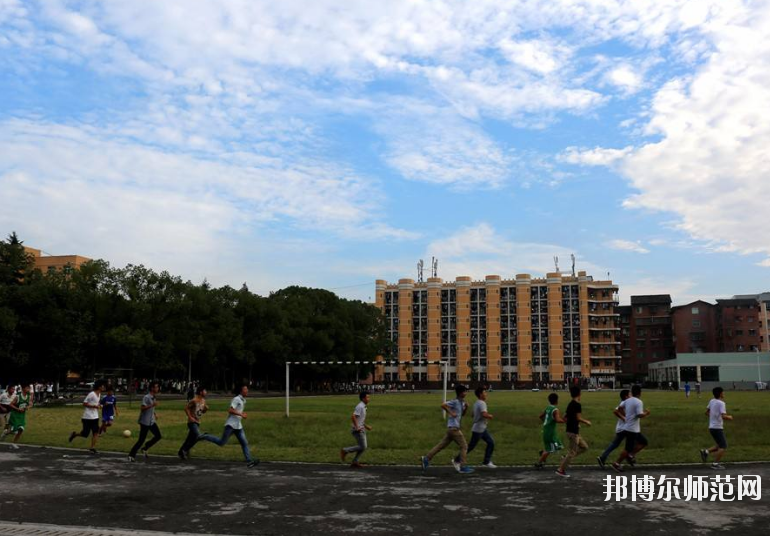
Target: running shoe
x=145 y=454
x=14 y=446
x=92 y=452
x=717 y=466
x=489 y=465
x=539 y=465
x=181 y=455
x=601 y=461
x=466 y=470
x=424 y=462
x=73 y=435
x=457 y=465
x=704 y=455
x=253 y=463
x=562 y=473
x=357 y=465
x=631 y=460
x=617 y=467
x=343 y=454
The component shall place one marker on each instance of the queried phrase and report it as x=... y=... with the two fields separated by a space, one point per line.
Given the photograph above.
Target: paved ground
x=69 y=488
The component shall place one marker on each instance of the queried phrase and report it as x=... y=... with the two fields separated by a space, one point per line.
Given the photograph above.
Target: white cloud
x=710 y=165
x=628 y=245
x=681 y=290
x=597 y=156
x=625 y=78
x=437 y=146
x=79 y=185
x=480 y=250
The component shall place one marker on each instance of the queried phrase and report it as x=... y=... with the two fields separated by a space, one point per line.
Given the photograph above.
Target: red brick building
x=646 y=334
x=694 y=328
x=739 y=321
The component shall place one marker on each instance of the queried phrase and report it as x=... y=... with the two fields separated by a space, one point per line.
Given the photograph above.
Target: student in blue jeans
x=234 y=426
x=479 y=430
x=620 y=435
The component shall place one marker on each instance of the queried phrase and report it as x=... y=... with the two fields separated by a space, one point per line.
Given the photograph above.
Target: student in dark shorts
x=90 y=419
x=717 y=413
x=574 y=416
x=634 y=411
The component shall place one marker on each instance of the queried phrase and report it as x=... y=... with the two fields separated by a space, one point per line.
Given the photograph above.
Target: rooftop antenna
x=556 y=262
x=572 y=256
x=434 y=266
x=419 y=270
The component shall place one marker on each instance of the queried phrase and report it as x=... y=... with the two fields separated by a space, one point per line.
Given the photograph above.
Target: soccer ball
x=126 y=433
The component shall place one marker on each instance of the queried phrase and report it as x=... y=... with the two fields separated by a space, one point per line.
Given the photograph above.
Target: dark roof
x=623 y=309
x=691 y=304
x=651 y=299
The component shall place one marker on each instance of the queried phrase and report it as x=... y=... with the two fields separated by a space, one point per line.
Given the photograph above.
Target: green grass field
x=408 y=425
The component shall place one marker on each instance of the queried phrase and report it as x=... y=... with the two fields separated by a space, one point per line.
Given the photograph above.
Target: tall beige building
x=501 y=330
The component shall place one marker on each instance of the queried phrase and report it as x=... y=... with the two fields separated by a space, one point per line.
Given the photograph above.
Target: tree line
x=101 y=317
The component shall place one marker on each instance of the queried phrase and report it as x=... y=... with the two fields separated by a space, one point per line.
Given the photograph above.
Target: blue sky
x=332 y=143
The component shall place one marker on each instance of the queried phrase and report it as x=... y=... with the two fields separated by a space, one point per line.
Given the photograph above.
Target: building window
x=696 y=323
x=709 y=374
x=640 y=354
x=639 y=310
x=753 y=332
x=695 y=311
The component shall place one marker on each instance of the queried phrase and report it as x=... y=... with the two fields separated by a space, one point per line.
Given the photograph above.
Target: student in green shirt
x=551 y=442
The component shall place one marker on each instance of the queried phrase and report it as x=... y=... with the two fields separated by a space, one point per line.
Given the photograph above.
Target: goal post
x=444 y=363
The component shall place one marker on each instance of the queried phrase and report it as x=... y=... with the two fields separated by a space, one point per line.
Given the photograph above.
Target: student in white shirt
x=717 y=413
x=90 y=419
x=234 y=426
x=633 y=409
x=358 y=430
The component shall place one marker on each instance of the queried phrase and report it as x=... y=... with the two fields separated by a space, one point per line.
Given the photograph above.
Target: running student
x=359 y=430
x=20 y=404
x=90 y=418
x=455 y=409
x=619 y=412
x=234 y=426
x=147 y=423
x=195 y=409
x=717 y=413
x=6 y=396
x=109 y=404
x=577 y=444
x=633 y=408
x=479 y=430
x=551 y=441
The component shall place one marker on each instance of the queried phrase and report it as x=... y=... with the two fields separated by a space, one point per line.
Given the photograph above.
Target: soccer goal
x=444 y=365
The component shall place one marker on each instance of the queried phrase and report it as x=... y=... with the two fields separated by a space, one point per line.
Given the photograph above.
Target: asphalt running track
x=64 y=492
